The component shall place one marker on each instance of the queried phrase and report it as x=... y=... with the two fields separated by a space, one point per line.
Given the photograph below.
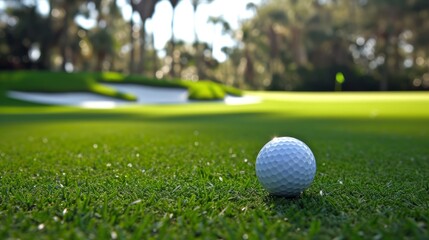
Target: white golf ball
x=285 y=166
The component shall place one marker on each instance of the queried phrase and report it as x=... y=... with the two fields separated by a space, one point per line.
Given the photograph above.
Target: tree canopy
x=286 y=45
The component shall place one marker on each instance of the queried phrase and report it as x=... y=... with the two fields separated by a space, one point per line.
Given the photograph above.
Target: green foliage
x=386 y=39
x=324 y=79
x=185 y=172
x=205 y=90
x=321 y=35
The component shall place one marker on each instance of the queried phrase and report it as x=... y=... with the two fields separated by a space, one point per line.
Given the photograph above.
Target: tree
x=145 y=9
x=174 y=55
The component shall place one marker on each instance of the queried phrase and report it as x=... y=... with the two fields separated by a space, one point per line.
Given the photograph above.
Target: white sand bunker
x=144 y=94
x=85 y=100
x=153 y=95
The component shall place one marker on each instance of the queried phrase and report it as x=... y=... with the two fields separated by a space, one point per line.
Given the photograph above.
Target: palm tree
x=146 y=9
x=173 y=41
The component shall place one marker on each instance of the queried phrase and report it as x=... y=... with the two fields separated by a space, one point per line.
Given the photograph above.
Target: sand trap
x=85 y=100
x=232 y=100
x=153 y=95
x=144 y=94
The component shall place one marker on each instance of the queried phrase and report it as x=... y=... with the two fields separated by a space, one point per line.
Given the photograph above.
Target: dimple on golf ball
x=285 y=166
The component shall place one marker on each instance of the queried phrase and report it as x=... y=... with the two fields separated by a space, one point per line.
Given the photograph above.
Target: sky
x=233 y=11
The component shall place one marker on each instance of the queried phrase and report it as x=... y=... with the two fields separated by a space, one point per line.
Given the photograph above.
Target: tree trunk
x=140 y=68
x=198 y=52
x=299 y=51
x=154 y=56
x=249 y=72
x=48 y=41
x=132 y=50
x=173 y=47
x=64 y=43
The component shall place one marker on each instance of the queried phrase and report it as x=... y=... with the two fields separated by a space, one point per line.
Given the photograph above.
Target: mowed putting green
x=187 y=171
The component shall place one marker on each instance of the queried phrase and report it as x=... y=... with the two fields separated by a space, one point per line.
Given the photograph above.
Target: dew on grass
x=130 y=165
x=321 y=193
x=143 y=170
x=171 y=215
x=245 y=160
x=340 y=182
x=65 y=211
x=41 y=226
x=136 y=201
x=221 y=179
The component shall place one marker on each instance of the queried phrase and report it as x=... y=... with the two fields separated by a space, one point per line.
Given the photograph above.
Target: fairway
x=188 y=171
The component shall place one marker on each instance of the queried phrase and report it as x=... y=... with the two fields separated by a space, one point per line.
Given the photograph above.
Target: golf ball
x=285 y=166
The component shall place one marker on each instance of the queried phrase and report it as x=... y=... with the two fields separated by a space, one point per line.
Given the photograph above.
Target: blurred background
x=299 y=45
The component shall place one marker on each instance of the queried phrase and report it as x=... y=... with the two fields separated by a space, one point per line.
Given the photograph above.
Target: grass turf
x=187 y=171
x=40 y=81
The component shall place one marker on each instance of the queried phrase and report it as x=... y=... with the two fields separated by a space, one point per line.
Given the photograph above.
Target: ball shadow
x=307 y=205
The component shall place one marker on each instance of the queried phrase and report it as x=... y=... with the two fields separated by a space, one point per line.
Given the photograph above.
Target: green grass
x=187 y=171
x=49 y=82
x=39 y=81
x=200 y=90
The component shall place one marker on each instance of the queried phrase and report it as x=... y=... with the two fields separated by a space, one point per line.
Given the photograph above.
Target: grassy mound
x=39 y=81
x=201 y=90
x=50 y=82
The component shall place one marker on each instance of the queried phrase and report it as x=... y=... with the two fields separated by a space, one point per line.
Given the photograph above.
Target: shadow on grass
x=307 y=211
x=307 y=204
x=127 y=117
x=9 y=102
